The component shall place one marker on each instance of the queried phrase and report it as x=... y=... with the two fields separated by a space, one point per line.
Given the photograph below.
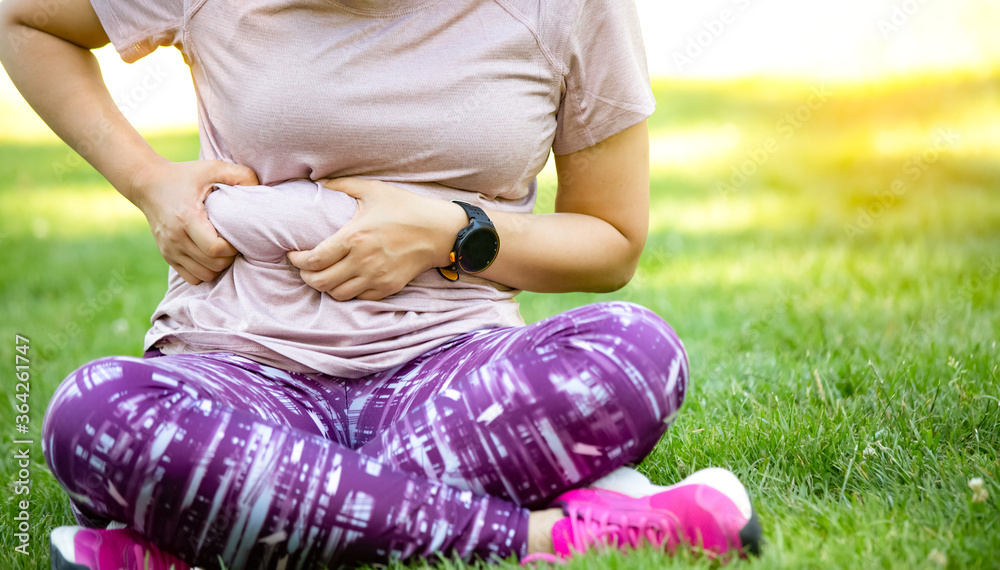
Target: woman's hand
x=592 y=242
x=172 y=196
x=394 y=236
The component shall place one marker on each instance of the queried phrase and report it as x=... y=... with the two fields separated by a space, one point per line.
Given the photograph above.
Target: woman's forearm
x=594 y=241
x=62 y=82
x=545 y=253
x=556 y=253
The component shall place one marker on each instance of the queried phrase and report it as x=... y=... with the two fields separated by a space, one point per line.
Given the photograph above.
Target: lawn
x=829 y=253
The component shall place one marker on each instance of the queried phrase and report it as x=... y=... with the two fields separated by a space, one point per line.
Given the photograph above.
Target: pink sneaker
x=710 y=510
x=79 y=548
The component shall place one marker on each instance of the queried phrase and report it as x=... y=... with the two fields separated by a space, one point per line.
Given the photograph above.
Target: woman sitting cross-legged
x=339 y=373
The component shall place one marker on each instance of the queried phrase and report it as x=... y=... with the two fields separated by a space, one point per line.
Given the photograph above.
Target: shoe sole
x=751 y=535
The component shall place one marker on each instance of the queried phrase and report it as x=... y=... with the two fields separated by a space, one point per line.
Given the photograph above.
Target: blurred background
x=825 y=237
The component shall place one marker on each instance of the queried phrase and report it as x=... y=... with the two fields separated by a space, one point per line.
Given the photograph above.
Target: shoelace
x=626 y=533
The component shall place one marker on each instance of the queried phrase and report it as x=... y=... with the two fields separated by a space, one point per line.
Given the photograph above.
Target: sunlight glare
x=84 y=210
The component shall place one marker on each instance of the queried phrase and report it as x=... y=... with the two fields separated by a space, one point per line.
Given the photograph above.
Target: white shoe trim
x=725 y=481
x=62 y=540
x=628 y=481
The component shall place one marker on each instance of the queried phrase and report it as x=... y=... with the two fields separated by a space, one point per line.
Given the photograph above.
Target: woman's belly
x=260 y=307
x=264 y=223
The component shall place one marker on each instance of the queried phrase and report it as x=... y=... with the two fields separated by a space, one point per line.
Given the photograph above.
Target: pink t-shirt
x=454 y=99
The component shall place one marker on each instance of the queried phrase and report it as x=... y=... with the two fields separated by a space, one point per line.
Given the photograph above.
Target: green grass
x=847 y=374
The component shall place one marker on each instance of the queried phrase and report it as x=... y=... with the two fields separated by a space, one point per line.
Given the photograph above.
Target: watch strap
x=474 y=213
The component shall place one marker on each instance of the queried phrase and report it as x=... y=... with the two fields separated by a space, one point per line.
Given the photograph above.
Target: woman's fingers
x=373 y=295
x=207 y=240
x=191 y=270
x=354 y=187
x=351 y=289
x=233 y=174
x=329 y=278
x=329 y=251
x=193 y=265
x=197 y=267
x=344 y=280
x=185 y=274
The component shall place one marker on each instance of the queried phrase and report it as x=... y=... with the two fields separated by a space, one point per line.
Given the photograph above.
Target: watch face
x=478 y=250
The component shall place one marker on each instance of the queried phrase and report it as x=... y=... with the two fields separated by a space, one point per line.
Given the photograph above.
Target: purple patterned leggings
x=214 y=455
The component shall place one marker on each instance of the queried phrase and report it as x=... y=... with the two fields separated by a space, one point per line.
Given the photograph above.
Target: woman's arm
x=591 y=243
x=46 y=52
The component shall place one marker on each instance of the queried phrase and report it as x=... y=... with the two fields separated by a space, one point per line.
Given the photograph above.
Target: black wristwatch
x=475 y=247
